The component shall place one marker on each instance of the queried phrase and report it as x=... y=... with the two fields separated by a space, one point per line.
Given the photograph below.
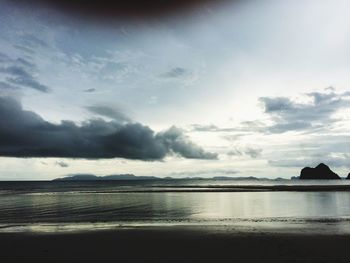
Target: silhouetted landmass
x=250 y=178
x=321 y=171
x=91 y=177
x=348 y=177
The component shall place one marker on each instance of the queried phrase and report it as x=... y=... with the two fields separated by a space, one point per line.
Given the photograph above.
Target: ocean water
x=67 y=206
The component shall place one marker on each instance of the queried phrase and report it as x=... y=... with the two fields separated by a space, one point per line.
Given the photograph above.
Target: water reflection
x=133 y=207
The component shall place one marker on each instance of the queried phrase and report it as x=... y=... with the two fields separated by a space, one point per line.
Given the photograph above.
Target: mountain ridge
x=116 y=177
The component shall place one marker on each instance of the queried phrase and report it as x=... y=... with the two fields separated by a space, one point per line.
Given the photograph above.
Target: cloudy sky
x=240 y=88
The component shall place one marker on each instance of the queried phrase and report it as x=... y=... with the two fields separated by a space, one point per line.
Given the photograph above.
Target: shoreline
x=283 y=225
x=176 y=244
x=190 y=189
x=239 y=188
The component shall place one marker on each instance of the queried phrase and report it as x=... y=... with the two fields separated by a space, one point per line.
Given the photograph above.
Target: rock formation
x=321 y=171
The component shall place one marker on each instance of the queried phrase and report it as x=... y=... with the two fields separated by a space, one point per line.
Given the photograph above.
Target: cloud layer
x=25 y=134
x=19 y=73
x=119 y=8
x=289 y=115
x=109 y=112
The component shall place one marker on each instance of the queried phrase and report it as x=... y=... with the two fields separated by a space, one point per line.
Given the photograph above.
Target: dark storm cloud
x=174 y=139
x=109 y=112
x=119 y=8
x=25 y=134
x=291 y=116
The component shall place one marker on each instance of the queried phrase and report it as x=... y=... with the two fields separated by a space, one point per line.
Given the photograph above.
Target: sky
x=237 y=88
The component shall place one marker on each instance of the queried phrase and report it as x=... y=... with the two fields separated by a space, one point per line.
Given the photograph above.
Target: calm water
x=116 y=202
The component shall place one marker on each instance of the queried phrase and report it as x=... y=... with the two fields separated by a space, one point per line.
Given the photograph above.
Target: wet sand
x=175 y=244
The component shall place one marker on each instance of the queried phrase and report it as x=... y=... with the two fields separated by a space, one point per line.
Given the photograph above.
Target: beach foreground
x=174 y=244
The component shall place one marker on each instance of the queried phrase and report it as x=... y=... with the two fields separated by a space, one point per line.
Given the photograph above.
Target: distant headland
x=320 y=172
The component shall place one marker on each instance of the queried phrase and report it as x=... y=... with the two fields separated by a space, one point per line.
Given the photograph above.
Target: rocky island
x=91 y=177
x=321 y=171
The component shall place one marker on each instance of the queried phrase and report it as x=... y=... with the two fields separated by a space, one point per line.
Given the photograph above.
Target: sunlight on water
x=81 y=209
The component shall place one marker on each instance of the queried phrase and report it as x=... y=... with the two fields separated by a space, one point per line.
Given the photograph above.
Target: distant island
x=115 y=177
x=321 y=171
x=91 y=177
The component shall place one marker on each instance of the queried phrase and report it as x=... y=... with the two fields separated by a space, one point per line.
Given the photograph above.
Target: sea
x=246 y=205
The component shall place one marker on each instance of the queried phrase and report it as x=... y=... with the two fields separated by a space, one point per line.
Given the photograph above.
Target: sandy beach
x=174 y=244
